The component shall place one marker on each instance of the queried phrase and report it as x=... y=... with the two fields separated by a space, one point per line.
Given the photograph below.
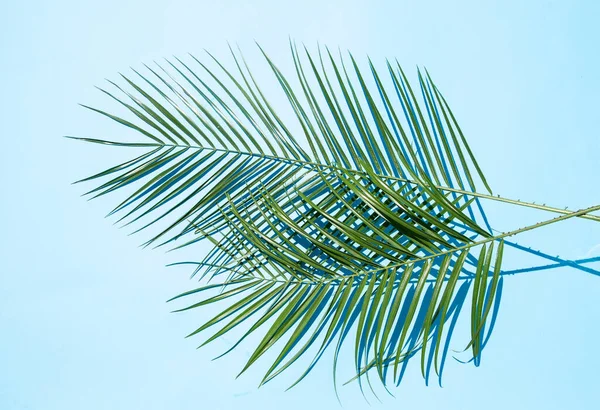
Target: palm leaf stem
x=319 y=166
x=445 y=252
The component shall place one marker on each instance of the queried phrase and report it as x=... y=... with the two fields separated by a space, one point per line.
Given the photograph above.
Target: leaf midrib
x=316 y=165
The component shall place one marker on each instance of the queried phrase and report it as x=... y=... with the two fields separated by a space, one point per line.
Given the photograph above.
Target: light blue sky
x=83 y=323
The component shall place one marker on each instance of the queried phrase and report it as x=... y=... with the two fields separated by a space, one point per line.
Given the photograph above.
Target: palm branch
x=358 y=220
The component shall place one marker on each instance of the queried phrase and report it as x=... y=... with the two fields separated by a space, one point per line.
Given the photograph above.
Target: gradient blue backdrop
x=83 y=323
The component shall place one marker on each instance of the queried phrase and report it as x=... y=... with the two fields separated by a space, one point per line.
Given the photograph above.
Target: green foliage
x=364 y=219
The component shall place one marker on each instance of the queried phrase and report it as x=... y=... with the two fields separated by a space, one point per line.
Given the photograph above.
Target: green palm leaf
x=365 y=218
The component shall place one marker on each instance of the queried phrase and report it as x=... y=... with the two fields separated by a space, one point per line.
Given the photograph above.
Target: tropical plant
x=363 y=223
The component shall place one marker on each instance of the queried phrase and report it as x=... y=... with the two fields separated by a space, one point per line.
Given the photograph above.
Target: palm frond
x=365 y=215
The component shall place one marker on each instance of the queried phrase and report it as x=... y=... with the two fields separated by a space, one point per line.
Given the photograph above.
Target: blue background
x=83 y=323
